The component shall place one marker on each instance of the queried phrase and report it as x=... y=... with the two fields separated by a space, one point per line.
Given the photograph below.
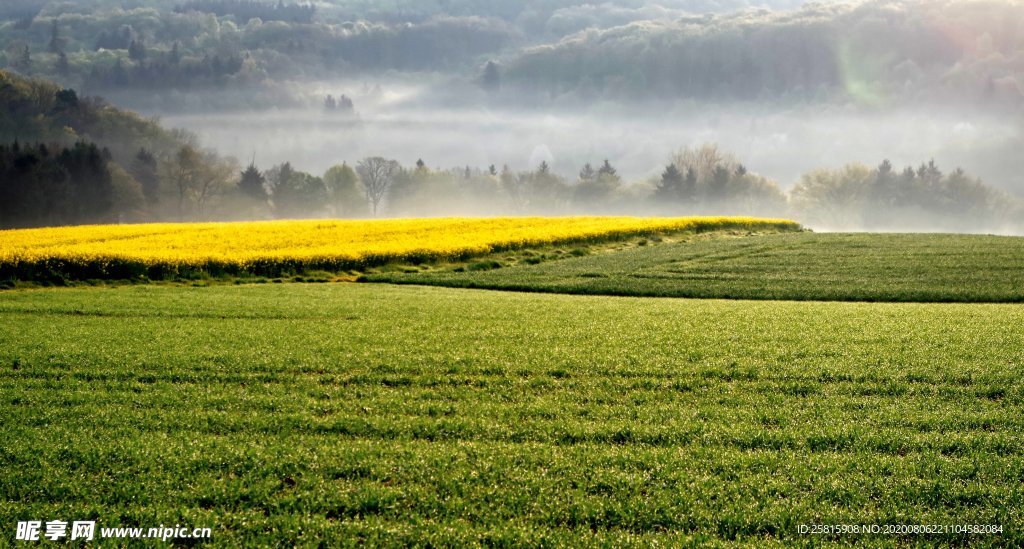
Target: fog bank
x=779 y=144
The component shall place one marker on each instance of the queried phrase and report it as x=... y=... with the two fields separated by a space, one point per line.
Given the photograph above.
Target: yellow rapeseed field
x=323 y=243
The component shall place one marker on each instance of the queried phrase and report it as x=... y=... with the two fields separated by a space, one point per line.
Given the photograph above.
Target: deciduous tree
x=377 y=174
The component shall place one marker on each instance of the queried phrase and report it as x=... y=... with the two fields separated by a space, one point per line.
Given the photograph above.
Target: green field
x=305 y=414
x=794 y=266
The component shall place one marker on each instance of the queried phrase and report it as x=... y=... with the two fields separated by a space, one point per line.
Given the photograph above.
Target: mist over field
x=779 y=143
x=845 y=115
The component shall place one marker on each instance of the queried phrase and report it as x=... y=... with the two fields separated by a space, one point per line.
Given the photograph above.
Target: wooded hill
x=66 y=159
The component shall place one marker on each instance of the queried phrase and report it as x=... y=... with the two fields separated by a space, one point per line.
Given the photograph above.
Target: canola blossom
x=156 y=250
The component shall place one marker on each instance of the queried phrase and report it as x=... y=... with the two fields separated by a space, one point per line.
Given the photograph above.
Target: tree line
x=872 y=52
x=868 y=52
x=244 y=10
x=192 y=48
x=52 y=185
x=858 y=196
x=89 y=162
x=168 y=69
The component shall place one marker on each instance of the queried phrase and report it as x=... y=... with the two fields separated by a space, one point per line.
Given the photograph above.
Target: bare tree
x=181 y=172
x=377 y=175
x=198 y=177
x=214 y=178
x=703 y=161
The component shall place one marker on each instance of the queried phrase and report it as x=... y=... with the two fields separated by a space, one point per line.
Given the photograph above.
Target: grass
x=787 y=266
x=336 y=414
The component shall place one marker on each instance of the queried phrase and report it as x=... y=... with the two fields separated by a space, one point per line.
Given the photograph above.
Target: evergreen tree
x=930 y=173
x=284 y=176
x=345 y=104
x=596 y=191
x=670 y=188
x=299 y=195
x=66 y=99
x=144 y=170
x=90 y=180
x=884 y=191
x=718 y=187
x=252 y=183
x=607 y=170
x=344 y=192
x=587 y=173
x=24 y=62
x=137 y=50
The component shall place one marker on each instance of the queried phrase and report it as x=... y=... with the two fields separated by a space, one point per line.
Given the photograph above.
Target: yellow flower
x=329 y=242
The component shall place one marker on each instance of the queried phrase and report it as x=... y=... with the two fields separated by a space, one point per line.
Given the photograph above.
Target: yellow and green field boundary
x=273 y=248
